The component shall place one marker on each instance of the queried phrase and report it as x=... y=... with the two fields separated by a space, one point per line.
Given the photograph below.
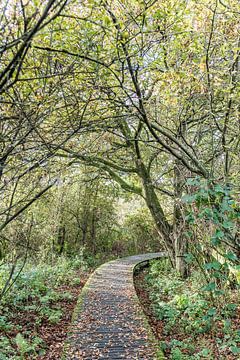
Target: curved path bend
x=109 y=322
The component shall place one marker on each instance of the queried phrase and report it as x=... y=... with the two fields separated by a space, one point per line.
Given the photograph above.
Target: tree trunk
x=84 y=229
x=61 y=239
x=93 y=230
x=181 y=249
x=180 y=239
x=163 y=227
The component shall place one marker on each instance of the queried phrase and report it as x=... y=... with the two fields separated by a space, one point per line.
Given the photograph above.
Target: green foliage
x=36 y=292
x=22 y=345
x=6 y=348
x=38 y=281
x=52 y=315
x=186 y=310
x=5 y=325
x=138 y=234
x=215 y=207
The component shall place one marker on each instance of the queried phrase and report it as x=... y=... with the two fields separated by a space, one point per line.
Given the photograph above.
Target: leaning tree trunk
x=163 y=227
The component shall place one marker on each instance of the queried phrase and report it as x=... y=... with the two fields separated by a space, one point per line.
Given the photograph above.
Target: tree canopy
x=143 y=94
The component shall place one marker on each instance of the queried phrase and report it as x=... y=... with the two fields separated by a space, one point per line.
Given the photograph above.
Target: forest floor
x=178 y=344
x=34 y=323
x=143 y=294
x=36 y=313
x=53 y=334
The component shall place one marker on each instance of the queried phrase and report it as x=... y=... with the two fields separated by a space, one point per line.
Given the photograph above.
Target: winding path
x=109 y=322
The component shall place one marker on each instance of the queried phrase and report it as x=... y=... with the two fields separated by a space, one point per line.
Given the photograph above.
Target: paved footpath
x=110 y=323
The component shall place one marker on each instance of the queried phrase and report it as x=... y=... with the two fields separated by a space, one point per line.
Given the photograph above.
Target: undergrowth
x=36 y=295
x=194 y=328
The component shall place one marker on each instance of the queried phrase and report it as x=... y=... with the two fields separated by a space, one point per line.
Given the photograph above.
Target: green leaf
x=228 y=224
x=189 y=258
x=231 y=256
x=212 y=312
x=189 y=198
x=205 y=352
x=235 y=350
x=193 y=181
x=219 y=292
x=188 y=234
x=219 y=234
x=216 y=265
x=219 y=189
x=215 y=241
x=158 y=14
x=190 y=218
x=22 y=344
x=209 y=287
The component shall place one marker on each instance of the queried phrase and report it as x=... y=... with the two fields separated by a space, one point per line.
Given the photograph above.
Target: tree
x=20 y=23
x=23 y=179
x=26 y=126
x=134 y=54
x=141 y=93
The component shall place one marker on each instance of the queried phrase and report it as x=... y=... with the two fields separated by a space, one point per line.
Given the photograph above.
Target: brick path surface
x=110 y=323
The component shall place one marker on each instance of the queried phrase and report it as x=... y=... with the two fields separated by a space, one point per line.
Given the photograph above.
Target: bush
x=188 y=313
